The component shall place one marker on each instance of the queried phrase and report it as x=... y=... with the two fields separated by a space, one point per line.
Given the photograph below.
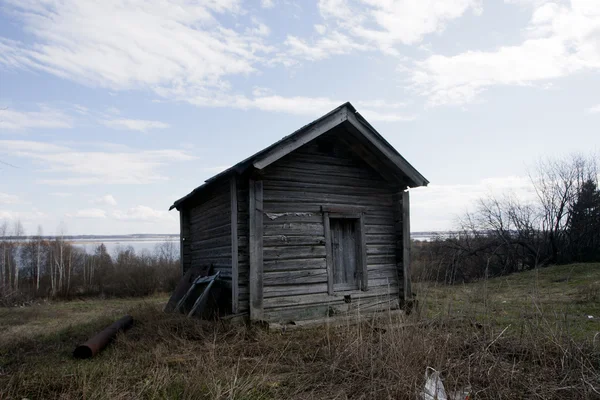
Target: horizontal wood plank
x=293 y=290
x=295 y=277
x=295 y=264
x=287 y=252
x=290 y=240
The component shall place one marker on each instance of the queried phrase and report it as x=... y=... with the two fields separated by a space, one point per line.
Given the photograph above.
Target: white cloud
x=113 y=110
x=267 y=3
x=178 y=49
x=45 y=118
x=8 y=198
x=384 y=24
x=561 y=40
x=81 y=109
x=372 y=115
x=143 y=213
x=79 y=167
x=594 y=109
x=301 y=105
x=23 y=216
x=335 y=43
x=108 y=200
x=216 y=169
x=61 y=194
x=171 y=46
x=88 y=213
x=321 y=29
x=259 y=28
x=135 y=124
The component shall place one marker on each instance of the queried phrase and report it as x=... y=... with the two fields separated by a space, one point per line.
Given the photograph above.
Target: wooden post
x=406 y=245
x=234 y=245
x=181 y=240
x=362 y=253
x=184 y=231
x=256 y=249
x=328 y=253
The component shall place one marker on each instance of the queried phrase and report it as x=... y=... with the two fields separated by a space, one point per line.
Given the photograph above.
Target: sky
x=110 y=111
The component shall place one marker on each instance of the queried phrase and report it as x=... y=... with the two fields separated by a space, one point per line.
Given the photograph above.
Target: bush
x=58 y=269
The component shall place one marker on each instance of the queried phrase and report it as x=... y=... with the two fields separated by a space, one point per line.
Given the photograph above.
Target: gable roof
x=345 y=115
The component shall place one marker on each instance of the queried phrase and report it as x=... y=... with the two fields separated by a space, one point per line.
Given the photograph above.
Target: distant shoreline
x=175 y=236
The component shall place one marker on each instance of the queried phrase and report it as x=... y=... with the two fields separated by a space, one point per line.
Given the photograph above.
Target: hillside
x=565 y=295
x=527 y=335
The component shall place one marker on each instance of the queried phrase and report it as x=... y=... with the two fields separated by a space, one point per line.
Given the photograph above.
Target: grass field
x=528 y=335
x=565 y=296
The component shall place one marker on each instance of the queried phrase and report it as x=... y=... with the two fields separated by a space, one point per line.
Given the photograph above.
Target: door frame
x=357 y=215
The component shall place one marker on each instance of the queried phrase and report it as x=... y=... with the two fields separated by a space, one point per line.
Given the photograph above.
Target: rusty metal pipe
x=95 y=344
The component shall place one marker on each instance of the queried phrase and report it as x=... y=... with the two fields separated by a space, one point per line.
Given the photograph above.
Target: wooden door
x=344 y=253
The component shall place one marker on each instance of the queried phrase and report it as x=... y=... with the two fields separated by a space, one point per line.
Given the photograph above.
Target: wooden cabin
x=315 y=225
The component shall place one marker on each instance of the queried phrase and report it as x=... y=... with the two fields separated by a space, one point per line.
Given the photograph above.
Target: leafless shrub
x=505 y=234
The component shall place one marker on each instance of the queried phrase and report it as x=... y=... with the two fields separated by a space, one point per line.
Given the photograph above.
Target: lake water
x=114 y=245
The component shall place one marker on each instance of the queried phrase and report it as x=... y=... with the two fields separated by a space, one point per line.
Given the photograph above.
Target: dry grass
x=169 y=356
x=562 y=297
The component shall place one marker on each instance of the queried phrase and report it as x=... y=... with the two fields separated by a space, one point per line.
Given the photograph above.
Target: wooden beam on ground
x=256 y=249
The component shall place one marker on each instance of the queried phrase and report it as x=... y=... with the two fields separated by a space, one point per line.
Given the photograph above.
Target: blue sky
x=111 y=110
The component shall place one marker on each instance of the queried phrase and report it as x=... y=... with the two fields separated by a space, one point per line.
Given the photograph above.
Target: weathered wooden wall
x=209 y=241
x=321 y=173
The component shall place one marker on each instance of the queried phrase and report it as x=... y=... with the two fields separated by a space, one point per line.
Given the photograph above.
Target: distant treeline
x=506 y=234
x=39 y=267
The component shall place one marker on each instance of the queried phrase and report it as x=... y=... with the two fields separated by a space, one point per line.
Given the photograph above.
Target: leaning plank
x=200 y=303
x=193 y=286
x=184 y=285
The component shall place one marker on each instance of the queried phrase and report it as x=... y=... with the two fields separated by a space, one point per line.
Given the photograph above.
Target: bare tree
x=59 y=260
x=38 y=257
x=557 y=184
x=507 y=234
x=3 y=243
x=18 y=232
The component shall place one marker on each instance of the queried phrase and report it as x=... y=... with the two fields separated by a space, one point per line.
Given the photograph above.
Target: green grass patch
x=565 y=296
